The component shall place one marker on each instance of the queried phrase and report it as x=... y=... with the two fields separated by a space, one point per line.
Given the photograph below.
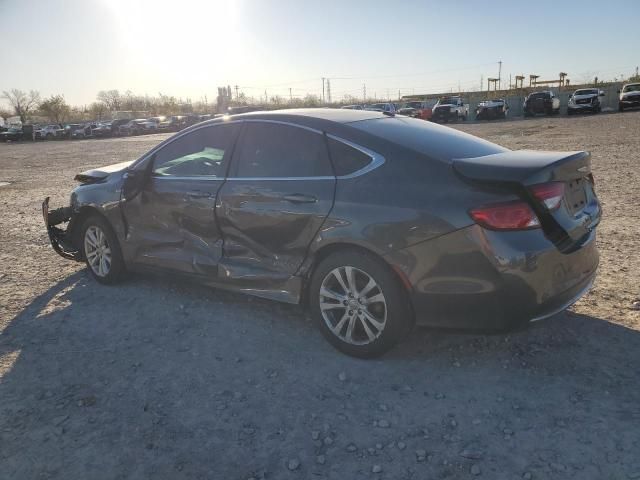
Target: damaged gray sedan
x=375 y=221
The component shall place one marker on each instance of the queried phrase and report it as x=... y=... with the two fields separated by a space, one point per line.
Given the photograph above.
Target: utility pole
x=266 y=97
x=322 y=89
x=236 y=87
x=364 y=93
x=399 y=97
x=328 y=90
x=500 y=74
x=290 y=96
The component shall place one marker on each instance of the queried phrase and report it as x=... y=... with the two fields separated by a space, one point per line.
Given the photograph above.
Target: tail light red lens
x=550 y=194
x=516 y=215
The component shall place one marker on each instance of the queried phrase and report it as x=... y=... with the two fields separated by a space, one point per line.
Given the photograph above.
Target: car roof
x=338 y=115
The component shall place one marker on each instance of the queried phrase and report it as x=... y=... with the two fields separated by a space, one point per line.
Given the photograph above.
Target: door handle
x=198 y=194
x=300 y=198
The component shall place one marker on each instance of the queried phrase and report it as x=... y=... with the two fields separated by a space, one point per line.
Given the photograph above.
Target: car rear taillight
x=516 y=215
x=548 y=193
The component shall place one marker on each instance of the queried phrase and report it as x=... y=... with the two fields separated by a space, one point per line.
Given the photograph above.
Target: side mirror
x=601 y=93
x=135 y=180
x=571 y=96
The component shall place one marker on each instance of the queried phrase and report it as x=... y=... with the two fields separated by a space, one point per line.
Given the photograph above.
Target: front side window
x=198 y=153
x=271 y=150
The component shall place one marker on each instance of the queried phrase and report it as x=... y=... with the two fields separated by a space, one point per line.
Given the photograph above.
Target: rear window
x=433 y=140
x=346 y=159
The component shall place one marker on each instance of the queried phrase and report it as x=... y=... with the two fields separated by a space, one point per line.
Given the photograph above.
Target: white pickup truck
x=450 y=109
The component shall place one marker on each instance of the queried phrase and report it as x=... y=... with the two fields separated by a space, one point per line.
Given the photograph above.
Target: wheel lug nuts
x=350 y=312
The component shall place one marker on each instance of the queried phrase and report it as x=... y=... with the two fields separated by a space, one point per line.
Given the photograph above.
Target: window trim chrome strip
x=377 y=160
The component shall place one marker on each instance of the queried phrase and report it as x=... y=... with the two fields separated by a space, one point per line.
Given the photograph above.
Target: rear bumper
x=475 y=279
x=58 y=237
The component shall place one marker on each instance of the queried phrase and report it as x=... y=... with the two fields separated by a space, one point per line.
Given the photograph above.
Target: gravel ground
x=159 y=379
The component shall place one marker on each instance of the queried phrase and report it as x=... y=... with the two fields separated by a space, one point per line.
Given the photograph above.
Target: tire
x=379 y=326
x=97 y=230
x=569 y=112
x=49 y=136
x=620 y=107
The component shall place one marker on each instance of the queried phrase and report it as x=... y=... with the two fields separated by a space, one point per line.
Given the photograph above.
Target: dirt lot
x=158 y=379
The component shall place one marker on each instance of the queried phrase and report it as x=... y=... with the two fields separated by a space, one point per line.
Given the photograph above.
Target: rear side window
x=197 y=153
x=346 y=159
x=274 y=150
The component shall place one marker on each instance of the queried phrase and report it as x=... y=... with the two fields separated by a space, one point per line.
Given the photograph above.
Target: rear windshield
x=539 y=95
x=586 y=92
x=435 y=141
x=449 y=100
x=632 y=88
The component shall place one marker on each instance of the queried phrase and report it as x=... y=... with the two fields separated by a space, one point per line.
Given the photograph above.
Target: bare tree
x=97 y=110
x=111 y=98
x=55 y=108
x=23 y=103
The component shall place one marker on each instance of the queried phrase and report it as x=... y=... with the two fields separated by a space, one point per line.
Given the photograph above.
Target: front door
x=278 y=193
x=171 y=223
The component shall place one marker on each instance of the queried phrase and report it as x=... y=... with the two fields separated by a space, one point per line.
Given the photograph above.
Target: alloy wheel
x=353 y=305
x=97 y=250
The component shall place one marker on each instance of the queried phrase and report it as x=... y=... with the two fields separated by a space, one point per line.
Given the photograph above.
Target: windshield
x=449 y=100
x=380 y=106
x=589 y=91
x=534 y=96
x=435 y=141
x=634 y=87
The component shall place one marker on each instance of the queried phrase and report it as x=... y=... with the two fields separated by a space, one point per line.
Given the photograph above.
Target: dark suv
x=546 y=103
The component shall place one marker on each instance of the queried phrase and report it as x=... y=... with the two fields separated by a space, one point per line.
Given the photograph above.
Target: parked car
x=152 y=125
x=353 y=107
x=629 y=96
x=546 y=103
x=133 y=127
x=49 y=132
x=585 y=100
x=81 y=131
x=175 y=123
x=381 y=107
x=69 y=128
x=116 y=124
x=102 y=129
x=449 y=109
x=376 y=221
x=492 y=109
x=417 y=109
x=11 y=134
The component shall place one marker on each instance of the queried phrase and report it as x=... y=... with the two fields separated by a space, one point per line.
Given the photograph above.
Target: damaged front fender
x=59 y=237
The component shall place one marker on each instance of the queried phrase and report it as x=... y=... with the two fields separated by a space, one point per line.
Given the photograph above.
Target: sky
x=187 y=48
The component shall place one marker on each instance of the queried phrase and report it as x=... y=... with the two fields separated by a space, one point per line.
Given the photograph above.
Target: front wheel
x=620 y=107
x=358 y=304
x=101 y=250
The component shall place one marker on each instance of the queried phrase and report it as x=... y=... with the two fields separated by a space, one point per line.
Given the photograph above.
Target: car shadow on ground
x=162 y=379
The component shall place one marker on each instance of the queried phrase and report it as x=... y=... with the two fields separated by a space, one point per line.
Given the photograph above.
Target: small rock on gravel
x=376 y=469
x=475 y=470
x=351 y=448
x=383 y=423
x=342 y=377
x=293 y=464
x=402 y=445
x=527 y=476
x=321 y=459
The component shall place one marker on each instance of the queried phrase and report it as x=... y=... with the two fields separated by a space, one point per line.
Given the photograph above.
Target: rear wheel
x=620 y=107
x=358 y=304
x=101 y=250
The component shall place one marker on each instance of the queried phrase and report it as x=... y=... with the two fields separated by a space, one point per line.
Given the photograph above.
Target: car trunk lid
x=530 y=174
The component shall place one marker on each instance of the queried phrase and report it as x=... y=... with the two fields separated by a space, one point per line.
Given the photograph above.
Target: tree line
x=28 y=105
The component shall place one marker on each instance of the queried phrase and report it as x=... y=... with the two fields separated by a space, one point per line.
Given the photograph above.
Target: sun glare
x=186 y=42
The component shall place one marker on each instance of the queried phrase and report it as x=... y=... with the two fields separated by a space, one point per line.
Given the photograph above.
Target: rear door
x=171 y=224
x=279 y=191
